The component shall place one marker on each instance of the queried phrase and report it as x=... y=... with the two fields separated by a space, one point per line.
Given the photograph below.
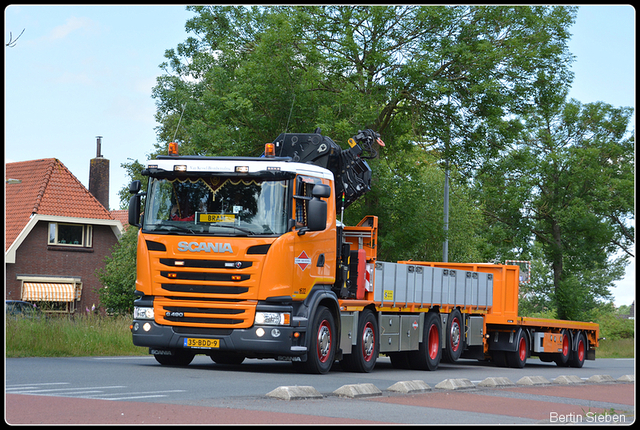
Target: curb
x=418 y=386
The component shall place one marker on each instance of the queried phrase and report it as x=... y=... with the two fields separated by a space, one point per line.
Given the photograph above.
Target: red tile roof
x=45 y=187
x=122 y=216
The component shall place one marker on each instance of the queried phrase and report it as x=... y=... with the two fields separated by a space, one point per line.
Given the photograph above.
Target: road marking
x=85 y=392
x=25 y=386
x=60 y=390
x=145 y=394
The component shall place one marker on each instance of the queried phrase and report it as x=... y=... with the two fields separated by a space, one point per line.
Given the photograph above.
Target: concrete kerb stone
x=415 y=386
x=295 y=393
x=626 y=378
x=533 y=380
x=455 y=384
x=358 y=390
x=600 y=379
x=495 y=382
x=568 y=379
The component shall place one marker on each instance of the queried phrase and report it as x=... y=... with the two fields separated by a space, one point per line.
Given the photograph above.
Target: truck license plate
x=201 y=343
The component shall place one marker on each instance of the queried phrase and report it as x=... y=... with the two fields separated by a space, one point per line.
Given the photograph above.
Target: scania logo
x=204 y=246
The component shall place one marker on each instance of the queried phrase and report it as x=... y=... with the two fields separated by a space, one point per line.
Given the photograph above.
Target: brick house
x=57 y=234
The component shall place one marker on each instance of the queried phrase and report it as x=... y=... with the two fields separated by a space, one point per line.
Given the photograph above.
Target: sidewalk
x=554 y=404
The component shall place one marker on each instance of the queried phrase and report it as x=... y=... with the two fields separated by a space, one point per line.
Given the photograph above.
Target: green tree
x=119 y=275
x=449 y=80
x=568 y=186
x=453 y=73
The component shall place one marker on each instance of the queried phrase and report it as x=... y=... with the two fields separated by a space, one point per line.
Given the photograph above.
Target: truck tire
x=578 y=356
x=518 y=358
x=429 y=353
x=365 y=352
x=454 y=341
x=562 y=358
x=180 y=357
x=322 y=343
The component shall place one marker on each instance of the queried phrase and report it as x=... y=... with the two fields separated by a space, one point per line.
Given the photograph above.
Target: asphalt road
x=118 y=390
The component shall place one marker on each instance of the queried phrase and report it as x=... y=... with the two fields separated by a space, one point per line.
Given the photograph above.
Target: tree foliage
x=119 y=275
x=569 y=182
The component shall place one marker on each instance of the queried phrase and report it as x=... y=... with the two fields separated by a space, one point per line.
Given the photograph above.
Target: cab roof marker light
x=173 y=149
x=269 y=150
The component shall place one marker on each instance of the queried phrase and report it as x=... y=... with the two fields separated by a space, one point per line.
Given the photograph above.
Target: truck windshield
x=217 y=205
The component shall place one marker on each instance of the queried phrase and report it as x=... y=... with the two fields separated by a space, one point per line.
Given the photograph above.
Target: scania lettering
x=248 y=257
x=204 y=246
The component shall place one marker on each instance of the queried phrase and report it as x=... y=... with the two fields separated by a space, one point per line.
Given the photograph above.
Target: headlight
x=272 y=318
x=142 y=313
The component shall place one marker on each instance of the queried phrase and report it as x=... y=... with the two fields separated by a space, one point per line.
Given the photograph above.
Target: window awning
x=48 y=292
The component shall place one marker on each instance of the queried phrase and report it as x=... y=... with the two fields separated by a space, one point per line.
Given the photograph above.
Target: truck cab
x=234 y=255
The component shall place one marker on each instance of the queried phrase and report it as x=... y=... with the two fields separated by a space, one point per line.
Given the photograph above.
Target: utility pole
x=445 y=246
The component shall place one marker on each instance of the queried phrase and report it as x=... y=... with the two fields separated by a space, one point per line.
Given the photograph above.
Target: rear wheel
x=322 y=345
x=365 y=352
x=562 y=358
x=518 y=358
x=180 y=357
x=429 y=353
x=578 y=356
x=454 y=340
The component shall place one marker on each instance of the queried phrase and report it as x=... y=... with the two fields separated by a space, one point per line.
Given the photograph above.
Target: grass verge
x=90 y=335
x=95 y=335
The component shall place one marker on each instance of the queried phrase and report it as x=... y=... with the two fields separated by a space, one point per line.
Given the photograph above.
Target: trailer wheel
x=322 y=345
x=365 y=352
x=578 y=356
x=180 y=357
x=454 y=340
x=518 y=358
x=562 y=358
x=429 y=353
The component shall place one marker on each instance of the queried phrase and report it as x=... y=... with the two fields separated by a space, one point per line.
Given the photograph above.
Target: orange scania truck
x=247 y=257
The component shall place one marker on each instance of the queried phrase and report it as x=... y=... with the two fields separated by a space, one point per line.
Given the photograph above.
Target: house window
x=70 y=234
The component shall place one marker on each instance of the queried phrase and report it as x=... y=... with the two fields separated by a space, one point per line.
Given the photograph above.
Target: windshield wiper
x=177 y=227
x=244 y=230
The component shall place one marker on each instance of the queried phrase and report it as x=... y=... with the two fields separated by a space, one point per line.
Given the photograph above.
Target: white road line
x=136 y=397
x=26 y=386
x=59 y=390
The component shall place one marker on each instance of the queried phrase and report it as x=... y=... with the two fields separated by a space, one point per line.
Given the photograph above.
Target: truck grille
x=206 y=293
x=204 y=313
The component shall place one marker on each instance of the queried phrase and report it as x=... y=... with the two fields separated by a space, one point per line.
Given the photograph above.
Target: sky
x=78 y=72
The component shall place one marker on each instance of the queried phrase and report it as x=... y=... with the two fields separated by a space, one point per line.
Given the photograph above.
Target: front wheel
x=322 y=344
x=180 y=357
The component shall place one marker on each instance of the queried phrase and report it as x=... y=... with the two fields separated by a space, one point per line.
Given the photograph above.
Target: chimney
x=99 y=176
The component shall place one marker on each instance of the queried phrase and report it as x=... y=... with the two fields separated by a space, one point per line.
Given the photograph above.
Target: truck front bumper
x=278 y=342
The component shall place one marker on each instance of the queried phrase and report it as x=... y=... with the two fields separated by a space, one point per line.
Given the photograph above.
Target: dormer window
x=64 y=234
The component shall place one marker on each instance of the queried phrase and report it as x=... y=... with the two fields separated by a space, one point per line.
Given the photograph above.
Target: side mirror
x=320 y=190
x=134 y=187
x=134 y=209
x=317 y=215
